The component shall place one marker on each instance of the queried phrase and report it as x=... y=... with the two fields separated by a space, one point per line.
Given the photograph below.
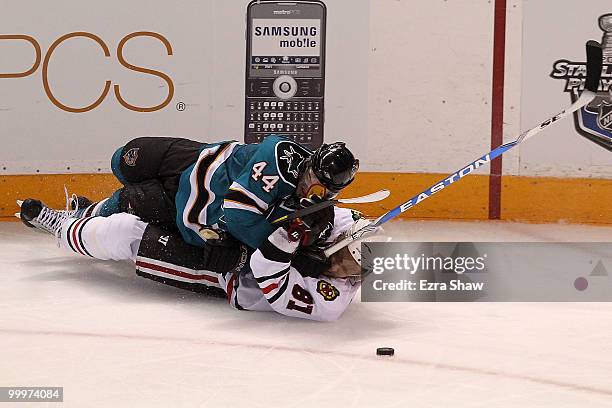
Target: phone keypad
x=299 y=117
x=301 y=120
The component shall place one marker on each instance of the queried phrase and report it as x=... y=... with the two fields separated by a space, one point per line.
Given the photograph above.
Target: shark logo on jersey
x=294 y=160
x=131 y=156
x=594 y=121
x=327 y=290
x=290 y=158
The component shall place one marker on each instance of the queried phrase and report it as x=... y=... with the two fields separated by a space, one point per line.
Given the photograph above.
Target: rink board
x=527 y=199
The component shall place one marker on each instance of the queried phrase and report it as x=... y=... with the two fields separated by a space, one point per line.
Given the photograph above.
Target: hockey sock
x=116 y=237
x=103 y=208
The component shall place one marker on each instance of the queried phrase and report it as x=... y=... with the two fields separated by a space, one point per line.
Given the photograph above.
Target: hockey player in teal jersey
x=205 y=189
x=244 y=183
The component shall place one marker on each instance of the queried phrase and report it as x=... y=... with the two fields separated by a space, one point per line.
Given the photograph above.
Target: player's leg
x=156 y=251
x=150 y=201
x=147 y=158
x=103 y=208
x=159 y=255
x=167 y=258
x=135 y=165
x=116 y=237
x=147 y=200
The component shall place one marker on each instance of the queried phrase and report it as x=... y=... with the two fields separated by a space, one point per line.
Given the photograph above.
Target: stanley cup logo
x=605 y=23
x=594 y=121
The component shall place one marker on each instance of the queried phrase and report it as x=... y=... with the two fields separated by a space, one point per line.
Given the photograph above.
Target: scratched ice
x=113 y=339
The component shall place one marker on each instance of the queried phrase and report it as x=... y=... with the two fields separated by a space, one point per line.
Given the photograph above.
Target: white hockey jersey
x=267 y=283
x=271 y=283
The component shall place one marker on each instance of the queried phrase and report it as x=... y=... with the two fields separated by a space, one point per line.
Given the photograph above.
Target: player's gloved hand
x=311 y=262
x=224 y=253
x=312 y=228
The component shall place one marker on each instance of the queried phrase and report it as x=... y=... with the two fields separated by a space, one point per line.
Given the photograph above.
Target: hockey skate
x=35 y=214
x=79 y=202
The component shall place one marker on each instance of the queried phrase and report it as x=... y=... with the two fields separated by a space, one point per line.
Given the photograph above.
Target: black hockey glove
x=313 y=228
x=225 y=253
x=310 y=262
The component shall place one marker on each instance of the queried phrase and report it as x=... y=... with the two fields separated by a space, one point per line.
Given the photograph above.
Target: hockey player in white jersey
x=298 y=286
x=278 y=276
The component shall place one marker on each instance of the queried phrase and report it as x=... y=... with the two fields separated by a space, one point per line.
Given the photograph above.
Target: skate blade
x=27 y=224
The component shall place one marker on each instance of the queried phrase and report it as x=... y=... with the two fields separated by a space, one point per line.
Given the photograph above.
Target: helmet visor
x=311 y=185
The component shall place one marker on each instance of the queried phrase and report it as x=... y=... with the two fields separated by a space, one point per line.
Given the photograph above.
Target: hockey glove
x=312 y=228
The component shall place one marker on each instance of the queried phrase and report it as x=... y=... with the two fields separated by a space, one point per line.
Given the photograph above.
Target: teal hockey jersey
x=234 y=187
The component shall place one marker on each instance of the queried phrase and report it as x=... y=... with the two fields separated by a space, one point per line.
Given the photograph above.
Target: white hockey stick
x=594 y=70
x=369 y=198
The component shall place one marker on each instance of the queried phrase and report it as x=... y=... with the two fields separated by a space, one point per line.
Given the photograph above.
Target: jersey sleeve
x=291 y=294
x=344 y=219
x=268 y=177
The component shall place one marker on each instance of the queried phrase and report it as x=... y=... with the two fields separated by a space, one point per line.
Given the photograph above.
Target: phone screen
x=279 y=44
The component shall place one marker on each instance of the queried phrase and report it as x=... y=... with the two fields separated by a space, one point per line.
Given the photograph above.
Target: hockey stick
x=594 y=68
x=369 y=198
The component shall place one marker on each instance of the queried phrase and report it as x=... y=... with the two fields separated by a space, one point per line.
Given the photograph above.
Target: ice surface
x=113 y=339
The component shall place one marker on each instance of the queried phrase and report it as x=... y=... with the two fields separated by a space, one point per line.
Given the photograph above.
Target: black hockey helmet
x=334 y=165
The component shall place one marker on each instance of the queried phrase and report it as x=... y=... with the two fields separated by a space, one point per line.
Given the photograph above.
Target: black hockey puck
x=385 y=351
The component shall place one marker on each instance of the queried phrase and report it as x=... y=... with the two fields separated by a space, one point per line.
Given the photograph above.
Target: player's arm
x=244 y=214
x=291 y=294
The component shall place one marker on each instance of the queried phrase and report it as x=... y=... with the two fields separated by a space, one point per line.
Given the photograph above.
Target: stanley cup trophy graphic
x=605 y=109
x=595 y=119
x=605 y=23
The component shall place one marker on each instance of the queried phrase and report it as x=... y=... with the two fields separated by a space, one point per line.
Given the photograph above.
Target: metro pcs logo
x=107 y=54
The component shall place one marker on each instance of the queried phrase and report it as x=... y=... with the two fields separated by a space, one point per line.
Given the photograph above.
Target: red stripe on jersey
x=269 y=288
x=230 y=287
x=75 y=242
x=177 y=273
